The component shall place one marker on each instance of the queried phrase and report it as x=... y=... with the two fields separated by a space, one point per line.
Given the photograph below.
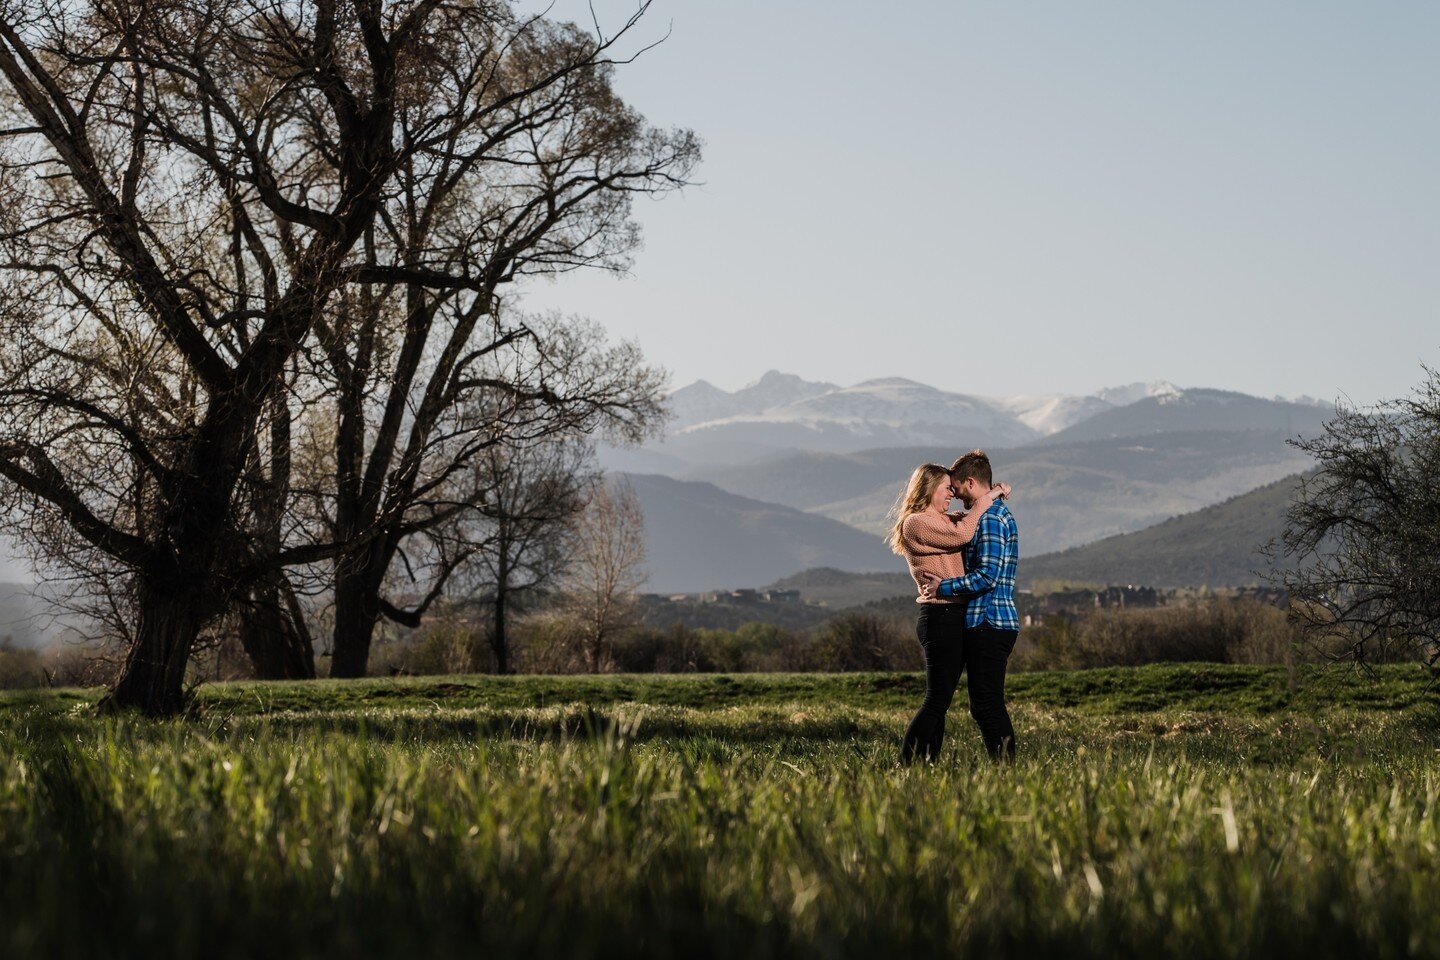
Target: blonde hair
x=916 y=497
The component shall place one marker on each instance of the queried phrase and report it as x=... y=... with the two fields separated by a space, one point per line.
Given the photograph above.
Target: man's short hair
x=973 y=464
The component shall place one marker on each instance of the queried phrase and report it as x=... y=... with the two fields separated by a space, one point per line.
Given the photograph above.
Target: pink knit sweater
x=933 y=543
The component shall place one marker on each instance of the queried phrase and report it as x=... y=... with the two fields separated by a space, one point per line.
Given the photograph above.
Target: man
x=991 y=623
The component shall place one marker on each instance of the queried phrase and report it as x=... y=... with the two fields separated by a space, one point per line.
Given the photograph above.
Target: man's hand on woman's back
x=930 y=582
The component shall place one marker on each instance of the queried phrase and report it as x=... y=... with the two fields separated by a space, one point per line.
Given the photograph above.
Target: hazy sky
x=1231 y=194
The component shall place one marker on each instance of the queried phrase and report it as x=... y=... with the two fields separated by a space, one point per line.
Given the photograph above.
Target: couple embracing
x=964 y=569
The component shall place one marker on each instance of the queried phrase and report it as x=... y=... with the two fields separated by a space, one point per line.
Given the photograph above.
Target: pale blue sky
x=1230 y=194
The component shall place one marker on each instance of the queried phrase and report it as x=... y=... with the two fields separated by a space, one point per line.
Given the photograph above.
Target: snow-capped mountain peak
x=775 y=388
x=1051 y=413
x=781 y=412
x=702 y=401
x=1129 y=393
x=892 y=406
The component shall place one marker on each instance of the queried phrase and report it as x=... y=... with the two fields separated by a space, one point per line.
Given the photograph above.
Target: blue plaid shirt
x=989 y=581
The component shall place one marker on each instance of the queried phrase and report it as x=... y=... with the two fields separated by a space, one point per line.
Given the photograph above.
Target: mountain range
x=785 y=475
x=1084 y=468
x=781 y=413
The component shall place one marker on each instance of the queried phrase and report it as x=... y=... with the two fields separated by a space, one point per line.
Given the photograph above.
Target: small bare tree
x=605 y=568
x=533 y=495
x=1363 y=532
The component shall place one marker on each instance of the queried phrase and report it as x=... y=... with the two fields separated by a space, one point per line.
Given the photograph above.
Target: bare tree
x=1363 y=532
x=533 y=494
x=186 y=187
x=606 y=554
x=141 y=137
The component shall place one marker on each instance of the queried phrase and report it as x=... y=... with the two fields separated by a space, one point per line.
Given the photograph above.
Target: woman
x=931 y=538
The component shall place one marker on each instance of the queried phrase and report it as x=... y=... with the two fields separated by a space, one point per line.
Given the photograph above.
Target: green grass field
x=1169 y=811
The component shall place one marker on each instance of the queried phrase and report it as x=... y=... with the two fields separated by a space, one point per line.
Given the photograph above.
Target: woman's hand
x=1001 y=490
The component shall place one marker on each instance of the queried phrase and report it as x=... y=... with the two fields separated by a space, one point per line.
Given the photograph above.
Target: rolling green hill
x=1217 y=547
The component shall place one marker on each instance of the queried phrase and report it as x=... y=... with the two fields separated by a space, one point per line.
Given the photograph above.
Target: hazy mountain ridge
x=746 y=508
x=1195 y=409
x=699 y=537
x=1217 y=547
x=18 y=615
x=748 y=516
x=1065 y=494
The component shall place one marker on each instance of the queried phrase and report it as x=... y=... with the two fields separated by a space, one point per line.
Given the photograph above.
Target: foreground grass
x=1180 y=811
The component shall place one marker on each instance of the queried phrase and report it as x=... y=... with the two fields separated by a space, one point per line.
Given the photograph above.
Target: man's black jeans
x=987 y=653
x=950 y=649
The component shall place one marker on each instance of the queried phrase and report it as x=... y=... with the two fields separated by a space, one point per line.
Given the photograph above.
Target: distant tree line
x=547 y=638
x=256 y=354
x=875 y=637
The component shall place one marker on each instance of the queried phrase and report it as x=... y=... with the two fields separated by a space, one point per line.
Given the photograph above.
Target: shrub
x=1218 y=630
x=19 y=666
x=863 y=641
x=753 y=647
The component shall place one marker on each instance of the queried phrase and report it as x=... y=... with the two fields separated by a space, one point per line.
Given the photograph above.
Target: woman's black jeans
x=950 y=649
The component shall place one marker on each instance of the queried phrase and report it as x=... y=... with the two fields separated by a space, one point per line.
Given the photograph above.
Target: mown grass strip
x=1220 y=688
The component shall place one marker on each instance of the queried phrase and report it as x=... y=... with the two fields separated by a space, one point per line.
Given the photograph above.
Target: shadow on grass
x=579 y=723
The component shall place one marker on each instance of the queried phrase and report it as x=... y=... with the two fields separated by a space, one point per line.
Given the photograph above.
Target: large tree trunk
x=499 y=639
x=357 y=611
x=153 y=677
x=272 y=625
x=276 y=640
x=179 y=594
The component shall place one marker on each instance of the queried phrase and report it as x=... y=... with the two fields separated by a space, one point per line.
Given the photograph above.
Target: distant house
x=782 y=596
x=1274 y=596
x=1068 y=601
x=1035 y=610
x=1127 y=596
